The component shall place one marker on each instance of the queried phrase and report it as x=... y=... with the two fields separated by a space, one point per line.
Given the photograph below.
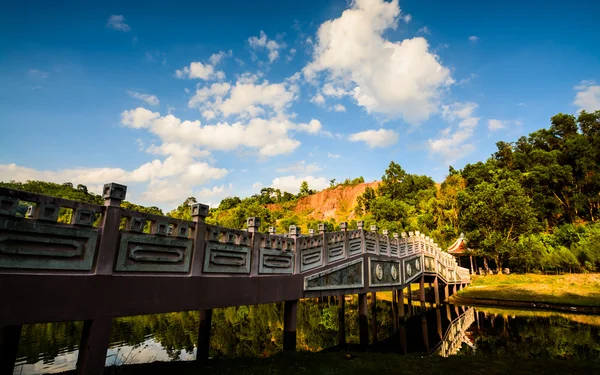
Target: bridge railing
x=109 y=239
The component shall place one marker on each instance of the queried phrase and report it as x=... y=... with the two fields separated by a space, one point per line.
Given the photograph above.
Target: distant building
x=459 y=248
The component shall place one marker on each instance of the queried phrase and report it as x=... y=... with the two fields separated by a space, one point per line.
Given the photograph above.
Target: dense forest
x=532 y=206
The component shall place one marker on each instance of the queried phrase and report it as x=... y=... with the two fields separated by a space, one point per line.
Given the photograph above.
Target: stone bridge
x=91 y=270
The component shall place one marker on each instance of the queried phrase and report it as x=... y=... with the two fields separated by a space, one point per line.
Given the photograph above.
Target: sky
x=222 y=98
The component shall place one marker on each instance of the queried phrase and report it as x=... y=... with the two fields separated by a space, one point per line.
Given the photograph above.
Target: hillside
x=335 y=204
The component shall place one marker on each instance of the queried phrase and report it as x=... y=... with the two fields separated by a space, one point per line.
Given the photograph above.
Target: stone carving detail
x=412 y=268
x=84 y=217
x=408 y=270
x=161 y=228
x=345 y=276
x=115 y=191
x=276 y=255
x=335 y=246
x=418 y=264
x=383 y=244
x=311 y=252
x=354 y=242
x=382 y=272
x=429 y=264
x=30 y=245
x=145 y=253
x=227 y=251
x=370 y=242
x=136 y=224
x=46 y=212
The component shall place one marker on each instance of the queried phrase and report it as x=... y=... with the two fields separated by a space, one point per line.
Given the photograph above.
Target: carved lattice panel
x=27 y=244
x=384 y=272
x=335 y=247
x=371 y=242
x=345 y=276
x=354 y=243
x=149 y=253
x=393 y=248
x=311 y=252
x=276 y=255
x=227 y=251
x=429 y=265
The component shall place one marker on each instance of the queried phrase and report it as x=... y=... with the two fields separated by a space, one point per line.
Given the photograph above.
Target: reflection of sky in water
x=149 y=351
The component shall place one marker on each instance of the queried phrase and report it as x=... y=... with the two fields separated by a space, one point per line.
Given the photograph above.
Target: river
x=257 y=331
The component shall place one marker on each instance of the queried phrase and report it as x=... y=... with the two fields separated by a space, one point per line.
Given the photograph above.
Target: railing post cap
x=410 y=234
x=360 y=224
x=403 y=234
x=311 y=232
x=114 y=193
x=199 y=210
x=343 y=225
x=294 y=230
x=374 y=228
x=322 y=227
x=396 y=235
x=253 y=223
x=272 y=230
x=385 y=232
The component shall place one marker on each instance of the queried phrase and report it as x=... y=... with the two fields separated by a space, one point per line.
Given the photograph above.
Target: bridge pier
x=410 y=306
x=401 y=302
x=342 y=321
x=422 y=291
x=374 y=317
x=93 y=346
x=363 y=321
x=436 y=289
x=446 y=293
x=204 y=331
x=9 y=345
x=290 y=314
x=454 y=289
x=395 y=310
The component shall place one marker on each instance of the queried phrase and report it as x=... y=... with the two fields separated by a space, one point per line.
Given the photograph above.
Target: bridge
x=111 y=262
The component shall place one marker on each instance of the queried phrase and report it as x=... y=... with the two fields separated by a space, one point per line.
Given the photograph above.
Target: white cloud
x=424 y=30
x=35 y=73
x=473 y=39
x=318 y=99
x=270 y=137
x=290 y=57
x=263 y=42
x=218 y=57
x=117 y=22
x=257 y=185
x=197 y=70
x=494 y=124
x=393 y=78
x=454 y=145
x=291 y=184
x=333 y=156
x=406 y=18
x=376 y=138
x=588 y=96
x=301 y=167
x=339 y=108
x=149 y=99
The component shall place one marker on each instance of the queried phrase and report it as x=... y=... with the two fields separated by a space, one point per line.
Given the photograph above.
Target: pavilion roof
x=459 y=247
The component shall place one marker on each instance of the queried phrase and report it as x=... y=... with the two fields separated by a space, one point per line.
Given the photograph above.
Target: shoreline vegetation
x=570 y=292
x=333 y=363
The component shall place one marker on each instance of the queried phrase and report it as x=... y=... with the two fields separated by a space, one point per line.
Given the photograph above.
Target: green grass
x=570 y=290
x=342 y=363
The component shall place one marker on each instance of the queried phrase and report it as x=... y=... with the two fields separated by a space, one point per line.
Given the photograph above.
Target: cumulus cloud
x=272 y=46
x=117 y=22
x=198 y=70
x=292 y=184
x=339 y=108
x=473 y=39
x=149 y=99
x=376 y=138
x=453 y=145
x=424 y=30
x=391 y=78
x=588 y=96
x=301 y=167
x=494 y=124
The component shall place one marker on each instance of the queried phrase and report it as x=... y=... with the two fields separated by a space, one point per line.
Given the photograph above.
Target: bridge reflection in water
x=244 y=331
x=109 y=262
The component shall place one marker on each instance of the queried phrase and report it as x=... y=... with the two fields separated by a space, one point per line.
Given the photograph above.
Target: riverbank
x=362 y=363
x=573 y=292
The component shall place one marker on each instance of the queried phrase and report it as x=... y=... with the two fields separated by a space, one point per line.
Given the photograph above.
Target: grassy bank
x=363 y=363
x=566 y=290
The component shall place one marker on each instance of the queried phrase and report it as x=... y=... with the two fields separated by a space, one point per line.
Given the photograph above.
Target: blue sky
x=213 y=99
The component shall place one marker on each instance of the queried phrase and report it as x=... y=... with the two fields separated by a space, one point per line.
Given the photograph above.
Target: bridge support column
x=436 y=290
x=401 y=302
x=204 y=330
x=363 y=321
x=395 y=310
x=342 y=321
x=374 y=317
x=290 y=313
x=454 y=289
x=93 y=346
x=9 y=344
x=422 y=291
x=446 y=295
x=409 y=300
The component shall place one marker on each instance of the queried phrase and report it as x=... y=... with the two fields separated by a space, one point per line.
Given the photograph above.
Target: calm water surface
x=257 y=331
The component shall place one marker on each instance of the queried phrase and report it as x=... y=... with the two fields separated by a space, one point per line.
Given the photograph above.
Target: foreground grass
x=570 y=290
x=363 y=363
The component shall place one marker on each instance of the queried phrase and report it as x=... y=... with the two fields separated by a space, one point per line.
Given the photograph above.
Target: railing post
x=363 y=320
x=199 y=214
x=322 y=228
x=295 y=233
x=290 y=312
x=204 y=331
x=344 y=229
x=342 y=321
x=113 y=194
x=9 y=345
x=253 y=223
x=94 y=342
x=375 y=231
